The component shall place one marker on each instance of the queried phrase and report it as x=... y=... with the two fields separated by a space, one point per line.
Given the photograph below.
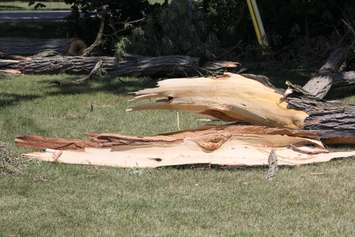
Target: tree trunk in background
x=329 y=82
x=128 y=66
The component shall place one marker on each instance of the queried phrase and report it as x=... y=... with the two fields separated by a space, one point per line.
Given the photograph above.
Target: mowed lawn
x=68 y=200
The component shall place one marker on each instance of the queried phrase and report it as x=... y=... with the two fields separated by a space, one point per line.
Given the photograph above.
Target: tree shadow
x=115 y=86
x=10 y=99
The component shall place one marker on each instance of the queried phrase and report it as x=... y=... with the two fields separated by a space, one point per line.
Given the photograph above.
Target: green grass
x=64 y=200
x=22 y=6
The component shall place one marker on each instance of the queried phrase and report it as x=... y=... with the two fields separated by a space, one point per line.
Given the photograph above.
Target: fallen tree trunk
x=229 y=97
x=129 y=66
x=233 y=97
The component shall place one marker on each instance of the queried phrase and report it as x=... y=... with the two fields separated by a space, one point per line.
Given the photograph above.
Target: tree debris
x=228 y=146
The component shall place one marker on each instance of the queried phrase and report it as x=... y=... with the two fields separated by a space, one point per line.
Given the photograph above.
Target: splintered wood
x=230 y=97
x=226 y=146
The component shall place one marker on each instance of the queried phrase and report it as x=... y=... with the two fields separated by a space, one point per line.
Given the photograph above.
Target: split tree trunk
x=233 y=97
x=230 y=97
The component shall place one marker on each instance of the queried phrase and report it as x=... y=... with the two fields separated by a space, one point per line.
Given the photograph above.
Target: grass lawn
x=63 y=200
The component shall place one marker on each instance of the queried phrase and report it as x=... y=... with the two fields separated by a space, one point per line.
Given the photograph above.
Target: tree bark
x=129 y=66
x=238 y=98
x=329 y=81
x=335 y=122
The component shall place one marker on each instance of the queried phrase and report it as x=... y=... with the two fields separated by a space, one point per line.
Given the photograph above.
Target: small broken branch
x=99 y=37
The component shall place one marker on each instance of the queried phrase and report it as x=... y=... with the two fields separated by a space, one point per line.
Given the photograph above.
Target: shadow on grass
x=8 y=99
x=115 y=86
x=50 y=88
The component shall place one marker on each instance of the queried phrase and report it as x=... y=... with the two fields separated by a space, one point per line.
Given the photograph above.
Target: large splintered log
x=232 y=97
x=128 y=66
x=231 y=146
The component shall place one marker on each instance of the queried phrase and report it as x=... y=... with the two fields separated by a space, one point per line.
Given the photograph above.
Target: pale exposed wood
x=11 y=72
x=230 y=97
x=222 y=146
x=218 y=133
x=234 y=153
x=228 y=146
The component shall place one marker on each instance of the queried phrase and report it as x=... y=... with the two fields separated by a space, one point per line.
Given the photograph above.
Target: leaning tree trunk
x=330 y=82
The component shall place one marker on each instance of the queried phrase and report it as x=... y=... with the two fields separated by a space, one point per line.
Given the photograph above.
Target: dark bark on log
x=168 y=66
x=59 y=64
x=335 y=122
x=129 y=66
x=320 y=85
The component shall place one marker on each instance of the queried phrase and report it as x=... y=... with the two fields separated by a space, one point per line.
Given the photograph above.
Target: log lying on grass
x=232 y=97
x=229 y=97
x=230 y=146
x=130 y=65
